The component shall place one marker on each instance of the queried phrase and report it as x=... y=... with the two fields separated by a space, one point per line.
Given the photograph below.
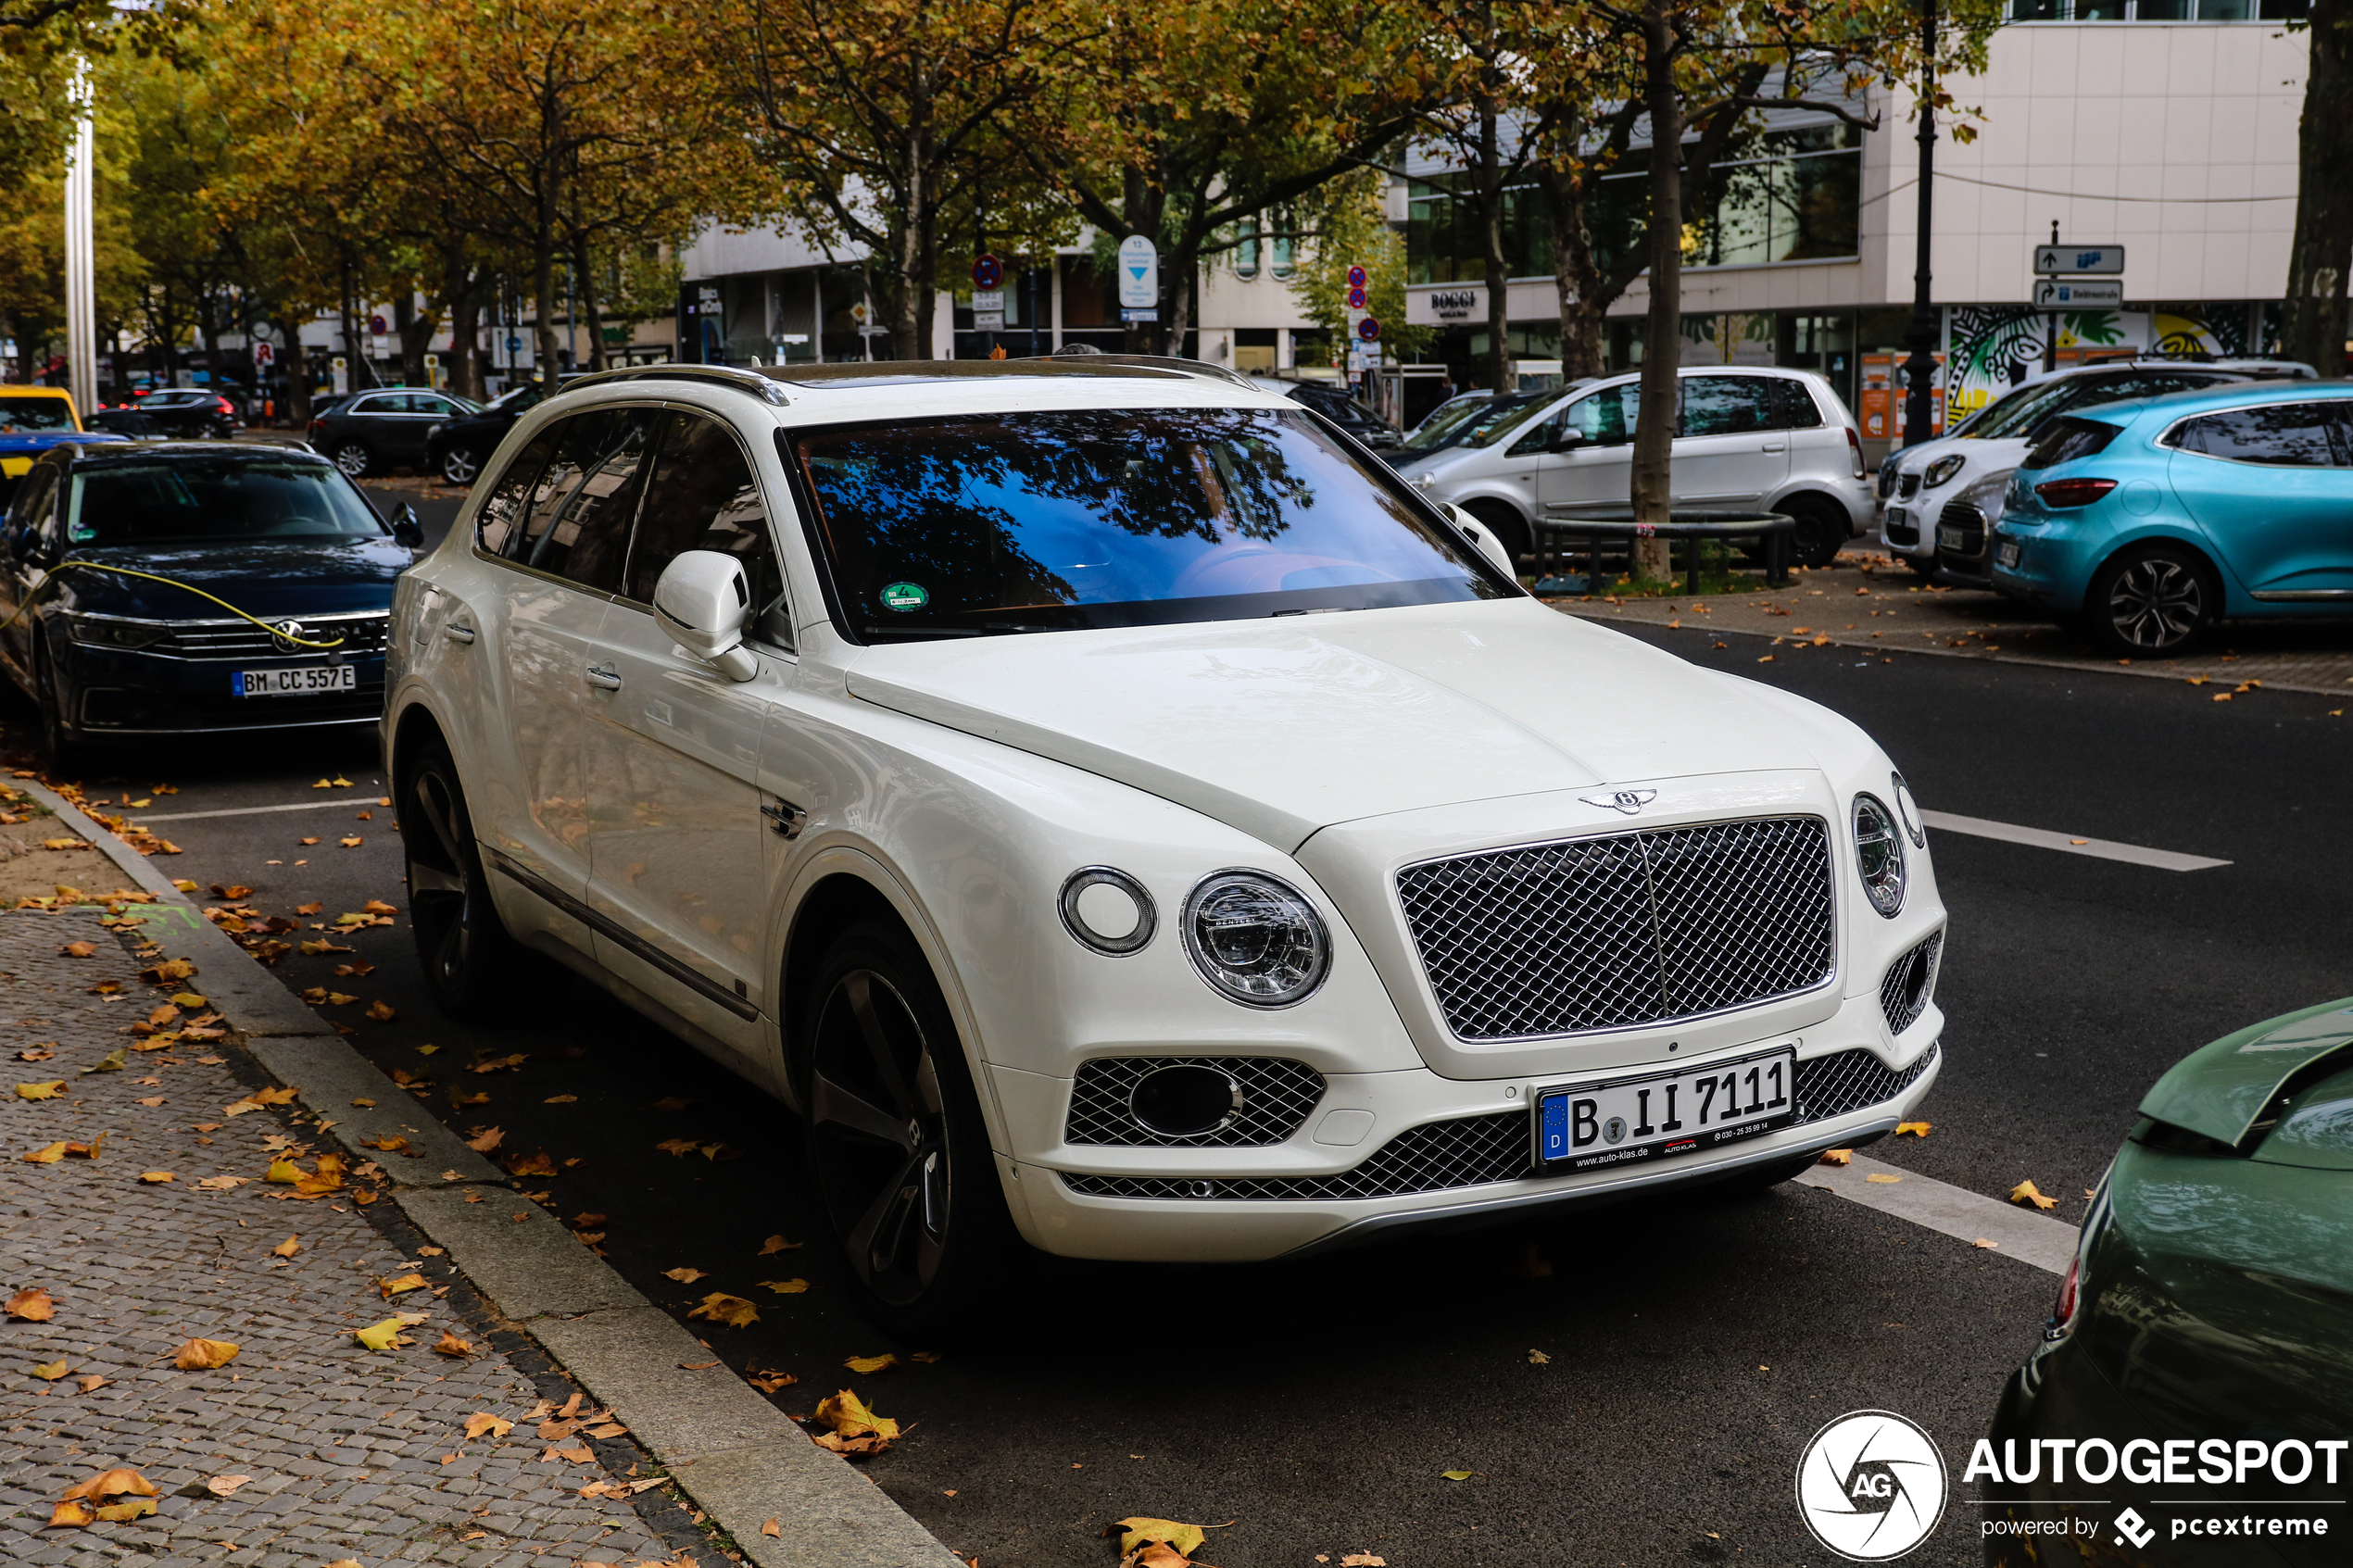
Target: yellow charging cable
x=168 y=581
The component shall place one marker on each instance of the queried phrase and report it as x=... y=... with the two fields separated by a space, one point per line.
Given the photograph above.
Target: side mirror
x=1568 y=440
x=1484 y=538
x=405 y=529
x=702 y=602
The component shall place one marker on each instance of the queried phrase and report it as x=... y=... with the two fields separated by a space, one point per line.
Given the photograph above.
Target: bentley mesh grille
x=1276 y=1096
x=1476 y=1151
x=1910 y=981
x=1630 y=929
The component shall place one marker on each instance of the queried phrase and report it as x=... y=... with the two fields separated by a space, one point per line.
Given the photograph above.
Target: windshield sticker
x=904 y=596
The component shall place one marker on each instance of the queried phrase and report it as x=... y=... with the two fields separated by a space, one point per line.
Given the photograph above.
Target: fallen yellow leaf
x=31 y=1305
x=121 y=1481
x=154 y=1178
x=869 y=1364
x=41 y=1091
x=1458 y=1475
x=786 y=1287
x=389 y=1334
x=49 y=1372
x=450 y=1345
x=204 y=1355
x=1180 y=1539
x=721 y=1308
x=71 y=1514
x=47 y=1155
x=2026 y=1192
x=482 y=1422
x=1882 y=1178
x=777 y=1244
x=683 y=1275
x=288 y=1248
x=1917 y=1129
x=391 y=1288
x=770 y=1527
x=122 y=1513
x=1837 y=1156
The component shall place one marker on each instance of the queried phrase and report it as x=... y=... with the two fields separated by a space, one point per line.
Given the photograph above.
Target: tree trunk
x=1585 y=297
x=461 y=301
x=1500 y=377
x=2314 y=325
x=585 y=276
x=417 y=328
x=1662 y=337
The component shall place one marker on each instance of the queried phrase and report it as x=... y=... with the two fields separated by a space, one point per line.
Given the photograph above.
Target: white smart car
x=1107 y=805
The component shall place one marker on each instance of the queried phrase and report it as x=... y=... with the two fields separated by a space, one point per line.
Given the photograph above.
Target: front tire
x=1822 y=531
x=473 y=966
x=354 y=458
x=2152 y=603
x=896 y=1145
x=459 y=466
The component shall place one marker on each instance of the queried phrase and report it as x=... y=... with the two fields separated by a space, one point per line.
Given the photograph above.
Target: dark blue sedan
x=194 y=588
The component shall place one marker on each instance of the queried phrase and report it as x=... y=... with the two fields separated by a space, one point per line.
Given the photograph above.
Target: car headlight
x=1879 y=855
x=114 y=634
x=1255 y=939
x=1942 y=470
x=432 y=430
x=1990 y=495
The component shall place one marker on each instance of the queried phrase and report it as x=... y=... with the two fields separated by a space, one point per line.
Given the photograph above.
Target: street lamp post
x=81 y=293
x=1919 y=366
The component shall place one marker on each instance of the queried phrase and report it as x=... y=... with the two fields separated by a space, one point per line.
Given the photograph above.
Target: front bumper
x=123 y=692
x=1460 y=1147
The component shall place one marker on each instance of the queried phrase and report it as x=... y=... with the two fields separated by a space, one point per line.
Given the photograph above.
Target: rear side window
x=2068 y=439
x=1794 y=405
x=510 y=501
x=2297 y=435
x=1726 y=405
x=586 y=499
x=704 y=497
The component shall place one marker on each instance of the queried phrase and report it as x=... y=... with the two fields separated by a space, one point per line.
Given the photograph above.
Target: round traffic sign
x=989 y=273
x=378 y=325
x=1355 y=277
x=1368 y=329
x=1356 y=299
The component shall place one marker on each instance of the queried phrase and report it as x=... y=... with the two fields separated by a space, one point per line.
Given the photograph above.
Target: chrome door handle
x=604 y=677
x=1774 y=446
x=458 y=634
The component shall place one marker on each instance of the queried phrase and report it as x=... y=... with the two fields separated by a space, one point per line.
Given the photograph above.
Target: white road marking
x=2016 y=1233
x=2066 y=843
x=256 y=810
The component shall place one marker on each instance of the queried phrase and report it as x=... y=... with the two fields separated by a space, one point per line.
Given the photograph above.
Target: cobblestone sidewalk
x=1872 y=602
x=344 y=1452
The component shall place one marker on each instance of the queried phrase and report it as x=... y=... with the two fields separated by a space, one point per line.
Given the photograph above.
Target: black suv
x=382 y=428
x=459 y=447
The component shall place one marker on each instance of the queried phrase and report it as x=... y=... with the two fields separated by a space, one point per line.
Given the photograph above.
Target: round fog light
x=1184 y=1102
x=1108 y=911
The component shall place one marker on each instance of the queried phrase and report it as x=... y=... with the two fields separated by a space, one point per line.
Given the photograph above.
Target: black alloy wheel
x=1820 y=532
x=2158 y=601
x=896 y=1145
x=460 y=464
x=473 y=966
x=354 y=458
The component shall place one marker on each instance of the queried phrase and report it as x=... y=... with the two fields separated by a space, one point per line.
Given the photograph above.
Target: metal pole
x=1919 y=366
x=82 y=293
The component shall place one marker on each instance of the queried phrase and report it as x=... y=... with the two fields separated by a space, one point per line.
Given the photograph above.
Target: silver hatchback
x=1746 y=438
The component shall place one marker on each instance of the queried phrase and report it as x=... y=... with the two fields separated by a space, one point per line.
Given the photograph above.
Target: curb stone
x=743 y=1461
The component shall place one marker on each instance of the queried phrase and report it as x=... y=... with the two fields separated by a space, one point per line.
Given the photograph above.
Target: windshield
x=1504 y=422
x=2022 y=410
x=20 y=416
x=1465 y=421
x=223 y=498
x=516 y=400
x=1053 y=520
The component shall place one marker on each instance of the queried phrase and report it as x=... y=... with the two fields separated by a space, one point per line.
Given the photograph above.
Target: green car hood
x=2221 y=1090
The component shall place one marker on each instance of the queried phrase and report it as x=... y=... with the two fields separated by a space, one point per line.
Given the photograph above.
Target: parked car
x=2205 y=1309
x=131 y=422
x=279 y=534
x=1966 y=471
x=2151 y=522
x=190 y=412
x=33 y=419
x=373 y=430
x=456 y=448
x=1462 y=417
x=1747 y=438
x=1338 y=404
x=1113 y=810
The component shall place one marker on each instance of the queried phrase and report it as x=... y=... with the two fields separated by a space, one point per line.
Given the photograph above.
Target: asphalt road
x=1693 y=1345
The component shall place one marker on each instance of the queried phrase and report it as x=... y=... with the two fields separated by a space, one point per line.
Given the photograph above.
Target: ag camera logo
x=1871 y=1486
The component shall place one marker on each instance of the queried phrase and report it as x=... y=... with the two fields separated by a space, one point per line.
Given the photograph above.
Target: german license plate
x=1950 y=539
x=303 y=681
x=2006 y=552
x=1898 y=518
x=1658 y=1116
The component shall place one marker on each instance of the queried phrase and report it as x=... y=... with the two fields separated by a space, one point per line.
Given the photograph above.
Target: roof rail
x=1149 y=361
x=759 y=385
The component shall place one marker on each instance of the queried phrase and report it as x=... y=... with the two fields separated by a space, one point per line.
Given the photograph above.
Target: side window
x=1794 y=405
x=704 y=497
x=500 y=519
x=1726 y=405
x=383 y=402
x=586 y=498
x=1607 y=417
x=2278 y=436
x=29 y=509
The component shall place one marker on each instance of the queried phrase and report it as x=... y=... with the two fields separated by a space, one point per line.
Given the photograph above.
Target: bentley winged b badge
x=1629 y=801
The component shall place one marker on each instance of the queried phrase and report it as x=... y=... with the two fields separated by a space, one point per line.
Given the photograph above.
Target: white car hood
x=1285 y=725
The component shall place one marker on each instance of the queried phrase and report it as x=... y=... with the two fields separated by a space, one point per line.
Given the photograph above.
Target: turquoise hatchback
x=2150 y=521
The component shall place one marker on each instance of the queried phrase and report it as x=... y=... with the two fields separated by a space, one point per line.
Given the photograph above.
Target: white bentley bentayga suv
x=1106 y=805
